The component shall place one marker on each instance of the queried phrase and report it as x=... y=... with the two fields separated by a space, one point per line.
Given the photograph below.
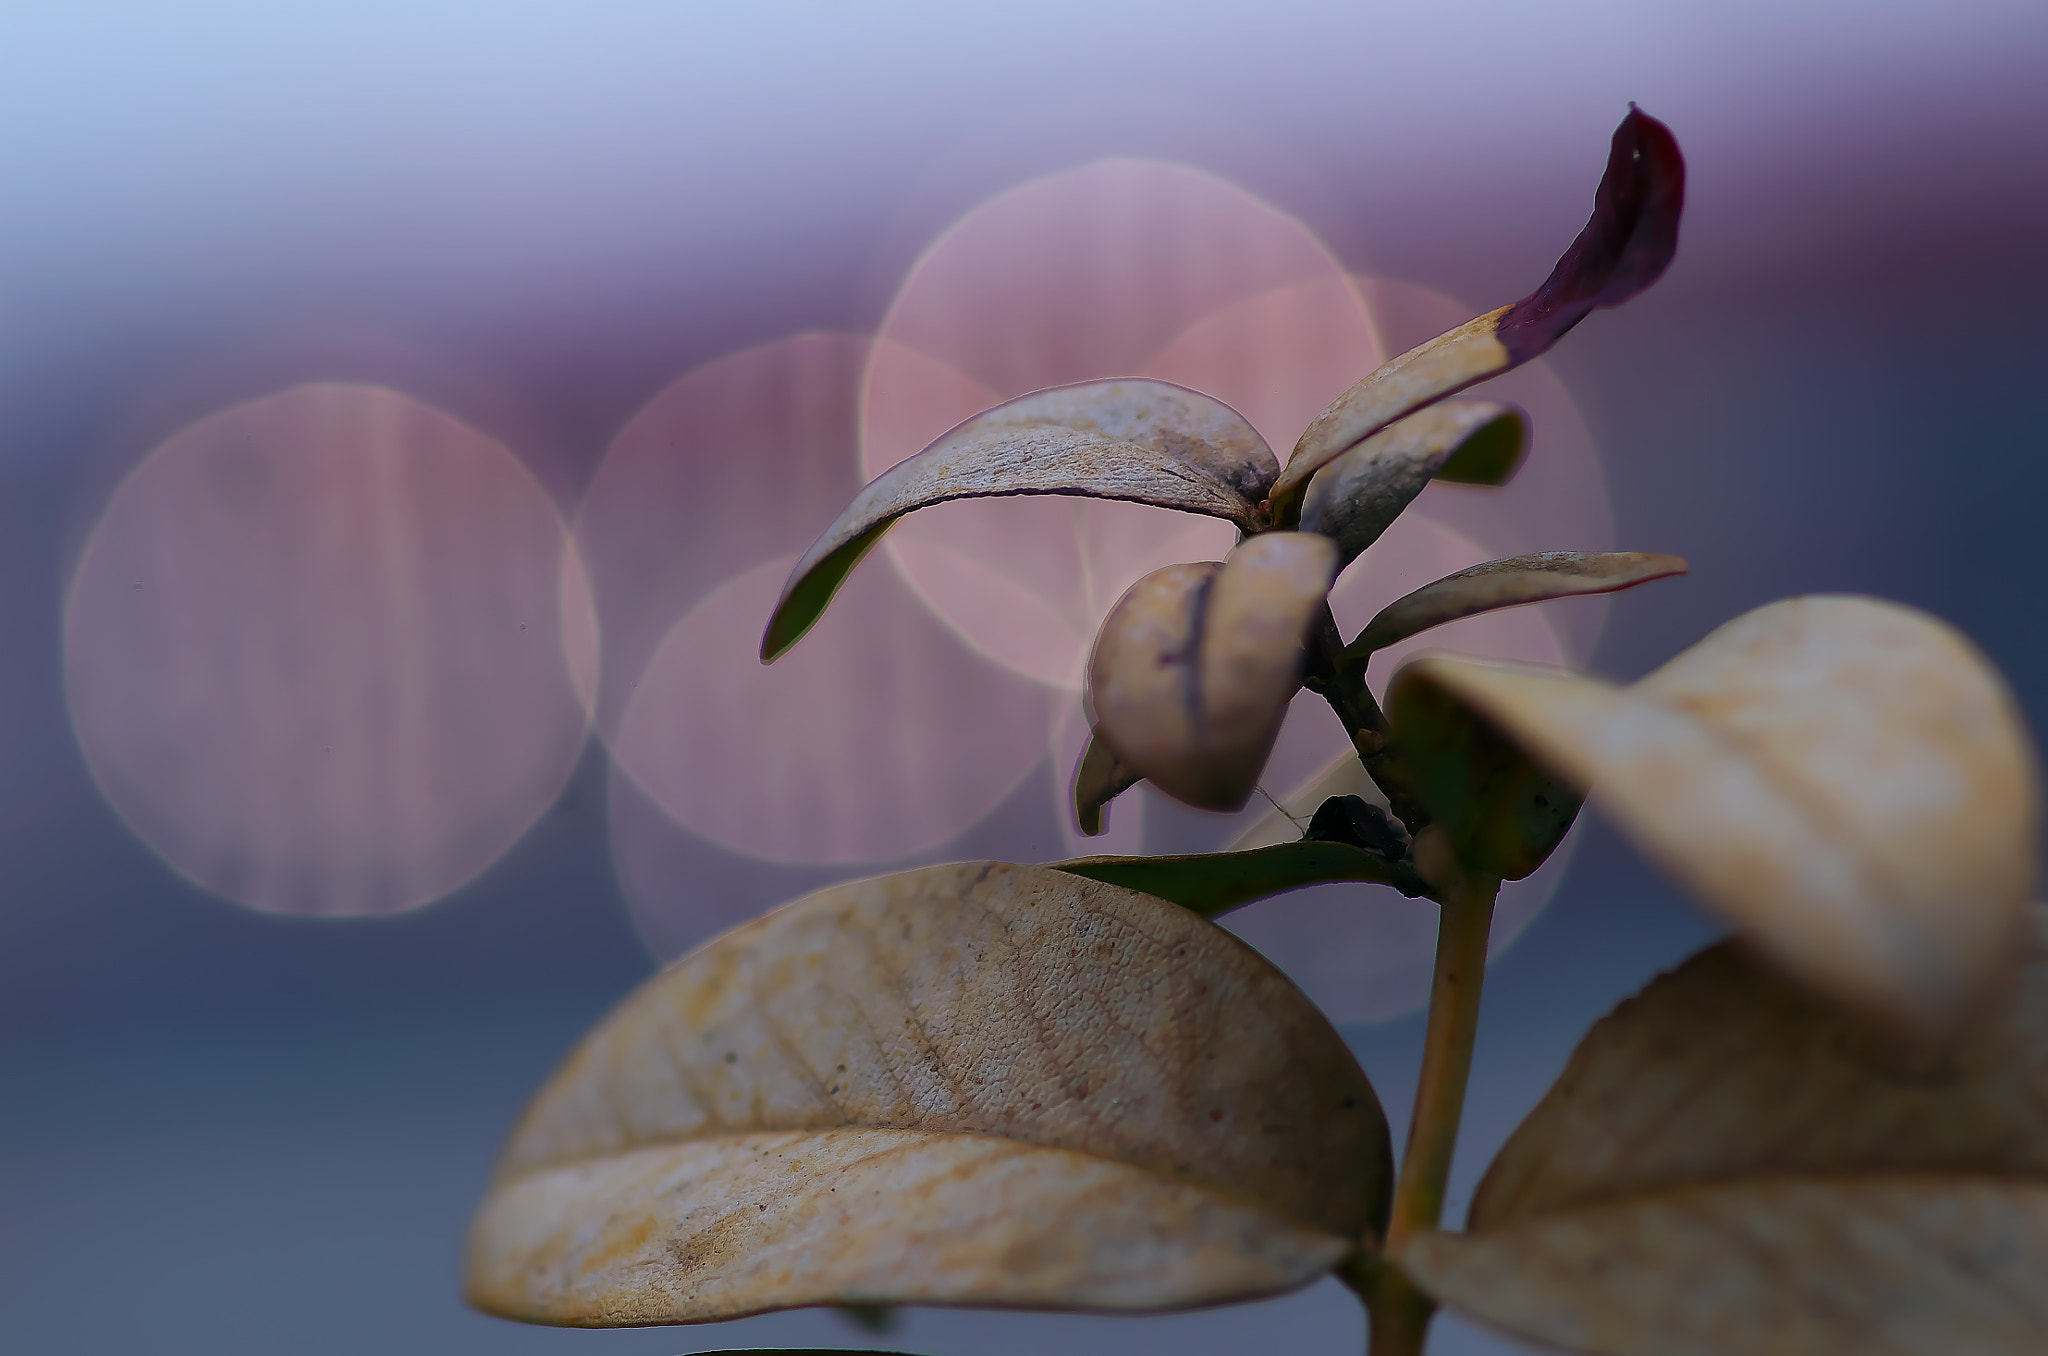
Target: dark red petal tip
x=1624 y=247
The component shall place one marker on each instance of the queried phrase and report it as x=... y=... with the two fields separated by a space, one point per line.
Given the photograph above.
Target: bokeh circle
x=322 y=651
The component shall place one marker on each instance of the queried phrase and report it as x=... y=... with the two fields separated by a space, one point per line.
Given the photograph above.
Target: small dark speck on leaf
x=731 y=1057
x=1215 y=1115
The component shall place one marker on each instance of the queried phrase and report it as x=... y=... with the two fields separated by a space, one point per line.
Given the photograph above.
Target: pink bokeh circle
x=878 y=736
x=322 y=652
x=1104 y=271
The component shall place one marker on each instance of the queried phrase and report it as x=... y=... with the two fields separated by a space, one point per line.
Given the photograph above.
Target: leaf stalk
x=1342 y=684
x=1399 y=1312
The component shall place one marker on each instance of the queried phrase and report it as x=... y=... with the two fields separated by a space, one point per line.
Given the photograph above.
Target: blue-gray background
x=227 y=1132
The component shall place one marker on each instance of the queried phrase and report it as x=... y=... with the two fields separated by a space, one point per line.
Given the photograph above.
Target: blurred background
x=409 y=412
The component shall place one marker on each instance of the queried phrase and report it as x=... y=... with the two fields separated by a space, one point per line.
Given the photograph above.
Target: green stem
x=1343 y=686
x=1397 y=1314
x=1400 y=1312
x=1446 y=1054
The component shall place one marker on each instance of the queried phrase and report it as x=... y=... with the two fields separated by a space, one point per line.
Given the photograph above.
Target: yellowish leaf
x=1846 y=780
x=1730 y=1164
x=968 y=1084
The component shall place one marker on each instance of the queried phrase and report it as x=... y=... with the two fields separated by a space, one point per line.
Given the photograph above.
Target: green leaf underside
x=1213 y=884
x=1491 y=454
x=1513 y=582
x=808 y=596
x=1131 y=439
x=1357 y=497
x=1505 y=816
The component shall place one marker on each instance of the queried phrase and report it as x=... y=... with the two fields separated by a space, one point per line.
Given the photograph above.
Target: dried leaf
x=1723 y=1069
x=1135 y=439
x=1194 y=667
x=1214 y=883
x=1098 y=779
x=1359 y=495
x=975 y=1083
x=1504 y=814
x=1729 y=1164
x=1883 y=1266
x=1623 y=248
x=1508 y=583
x=1847 y=781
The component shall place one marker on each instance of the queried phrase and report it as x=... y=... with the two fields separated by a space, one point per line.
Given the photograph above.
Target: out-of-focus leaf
x=1215 y=883
x=968 y=1084
x=1194 y=667
x=1098 y=779
x=1729 y=1164
x=1504 y=814
x=1135 y=439
x=1847 y=781
x=1623 y=248
x=1508 y=583
x=1359 y=495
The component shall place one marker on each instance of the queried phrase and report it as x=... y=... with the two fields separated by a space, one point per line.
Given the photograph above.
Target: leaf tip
x=1624 y=247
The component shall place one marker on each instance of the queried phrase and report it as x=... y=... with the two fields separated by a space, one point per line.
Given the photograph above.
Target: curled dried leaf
x=1728 y=1164
x=1358 y=496
x=975 y=1083
x=1148 y=442
x=1846 y=780
x=1194 y=667
x=1098 y=779
x=1623 y=248
x=1512 y=582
